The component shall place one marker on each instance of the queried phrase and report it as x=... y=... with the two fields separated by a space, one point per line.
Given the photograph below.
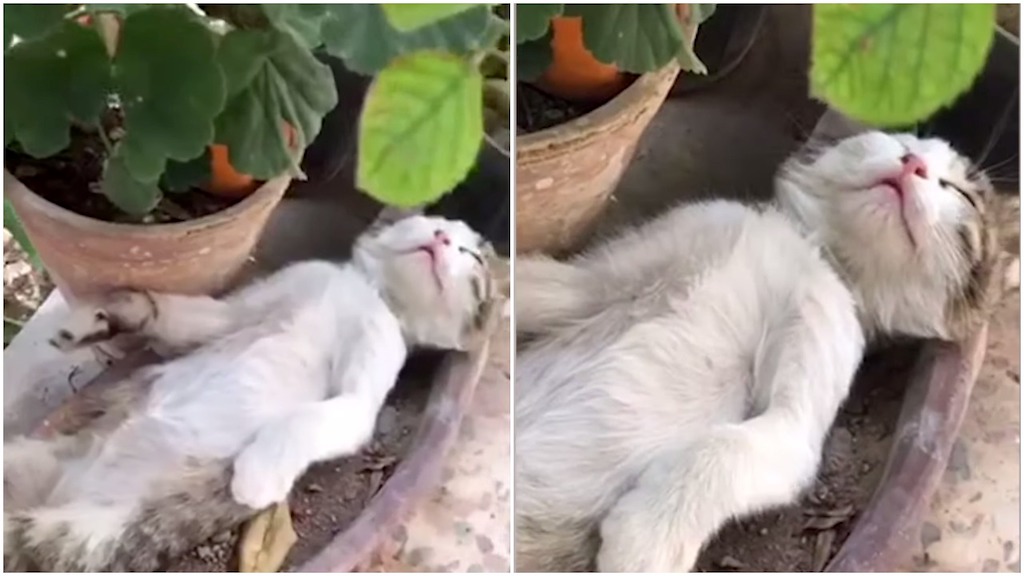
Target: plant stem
x=499 y=54
x=478 y=58
x=106 y=140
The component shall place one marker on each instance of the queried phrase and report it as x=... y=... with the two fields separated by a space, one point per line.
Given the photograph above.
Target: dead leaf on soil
x=822 y=550
x=823 y=522
x=378 y=463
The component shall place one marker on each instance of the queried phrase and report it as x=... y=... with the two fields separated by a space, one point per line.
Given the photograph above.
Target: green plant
x=158 y=84
x=893 y=65
x=890 y=65
x=637 y=38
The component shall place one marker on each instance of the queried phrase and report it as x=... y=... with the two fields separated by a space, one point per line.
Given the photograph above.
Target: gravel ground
x=25 y=287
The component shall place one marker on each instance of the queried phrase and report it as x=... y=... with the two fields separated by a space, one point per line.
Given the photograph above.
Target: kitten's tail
x=86 y=536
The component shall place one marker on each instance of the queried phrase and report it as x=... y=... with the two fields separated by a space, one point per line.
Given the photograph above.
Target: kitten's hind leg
x=32 y=468
x=266 y=469
x=549 y=293
x=682 y=499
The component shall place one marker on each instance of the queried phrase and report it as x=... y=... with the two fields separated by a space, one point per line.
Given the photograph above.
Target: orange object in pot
x=227 y=182
x=574 y=73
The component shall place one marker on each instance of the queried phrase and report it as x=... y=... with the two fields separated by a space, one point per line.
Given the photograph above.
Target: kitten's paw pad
x=259 y=485
x=83 y=327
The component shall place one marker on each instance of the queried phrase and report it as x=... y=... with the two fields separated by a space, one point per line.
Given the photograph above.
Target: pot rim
x=609 y=114
x=20 y=192
x=938 y=391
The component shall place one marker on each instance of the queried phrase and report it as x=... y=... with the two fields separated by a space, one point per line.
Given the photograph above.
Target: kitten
x=688 y=371
x=286 y=372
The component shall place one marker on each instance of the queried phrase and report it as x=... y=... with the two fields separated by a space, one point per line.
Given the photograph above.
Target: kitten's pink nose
x=913 y=165
x=440 y=236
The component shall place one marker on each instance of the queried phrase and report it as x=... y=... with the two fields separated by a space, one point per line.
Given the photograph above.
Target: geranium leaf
x=533 y=57
x=303 y=20
x=183 y=176
x=361 y=35
x=171 y=89
x=280 y=93
x=127 y=192
x=30 y=21
x=637 y=38
x=50 y=81
x=896 y=64
x=533 y=20
x=421 y=128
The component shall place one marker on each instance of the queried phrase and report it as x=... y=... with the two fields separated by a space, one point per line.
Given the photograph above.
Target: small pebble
x=865 y=467
x=730 y=563
x=315 y=488
x=763 y=531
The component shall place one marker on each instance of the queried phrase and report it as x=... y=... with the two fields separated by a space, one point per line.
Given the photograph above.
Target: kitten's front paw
x=84 y=326
x=259 y=481
x=120 y=312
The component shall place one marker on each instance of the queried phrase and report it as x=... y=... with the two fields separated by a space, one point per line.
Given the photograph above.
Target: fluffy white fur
x=688 y=371
x=286 y=372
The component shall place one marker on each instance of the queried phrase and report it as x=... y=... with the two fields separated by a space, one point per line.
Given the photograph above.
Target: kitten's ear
x=390 y=215
x=494 y=303
x=832 y=127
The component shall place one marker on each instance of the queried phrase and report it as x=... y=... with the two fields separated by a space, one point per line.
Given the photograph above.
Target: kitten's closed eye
x=971 y=199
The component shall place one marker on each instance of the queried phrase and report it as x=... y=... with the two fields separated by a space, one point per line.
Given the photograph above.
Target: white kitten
x=286 y=372
x=687 y=372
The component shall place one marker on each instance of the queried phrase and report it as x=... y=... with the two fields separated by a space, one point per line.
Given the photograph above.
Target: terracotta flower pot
x=566 y=174
x=86 y=256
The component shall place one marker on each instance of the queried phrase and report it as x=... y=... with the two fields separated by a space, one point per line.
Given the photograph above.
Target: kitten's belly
x=598 y=408
x=209 y=404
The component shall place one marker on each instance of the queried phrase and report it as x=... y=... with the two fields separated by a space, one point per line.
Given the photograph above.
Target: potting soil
x=537 y=110
x=71 y=180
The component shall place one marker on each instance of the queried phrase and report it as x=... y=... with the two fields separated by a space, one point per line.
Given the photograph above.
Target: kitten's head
x=435 y=275
x=909 y=223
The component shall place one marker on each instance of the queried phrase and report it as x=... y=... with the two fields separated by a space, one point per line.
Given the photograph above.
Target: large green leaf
x=895 y=64
x=421 y=128
x=533 y=20
x=407 y=17
x=13 y=225
x=30 y=21
x=637 y=38
x=171 y=88
x=303 y=20
x=272 y=80
x=360 y=35
x=126 y=191
x=701 y=12
x=51 y=80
